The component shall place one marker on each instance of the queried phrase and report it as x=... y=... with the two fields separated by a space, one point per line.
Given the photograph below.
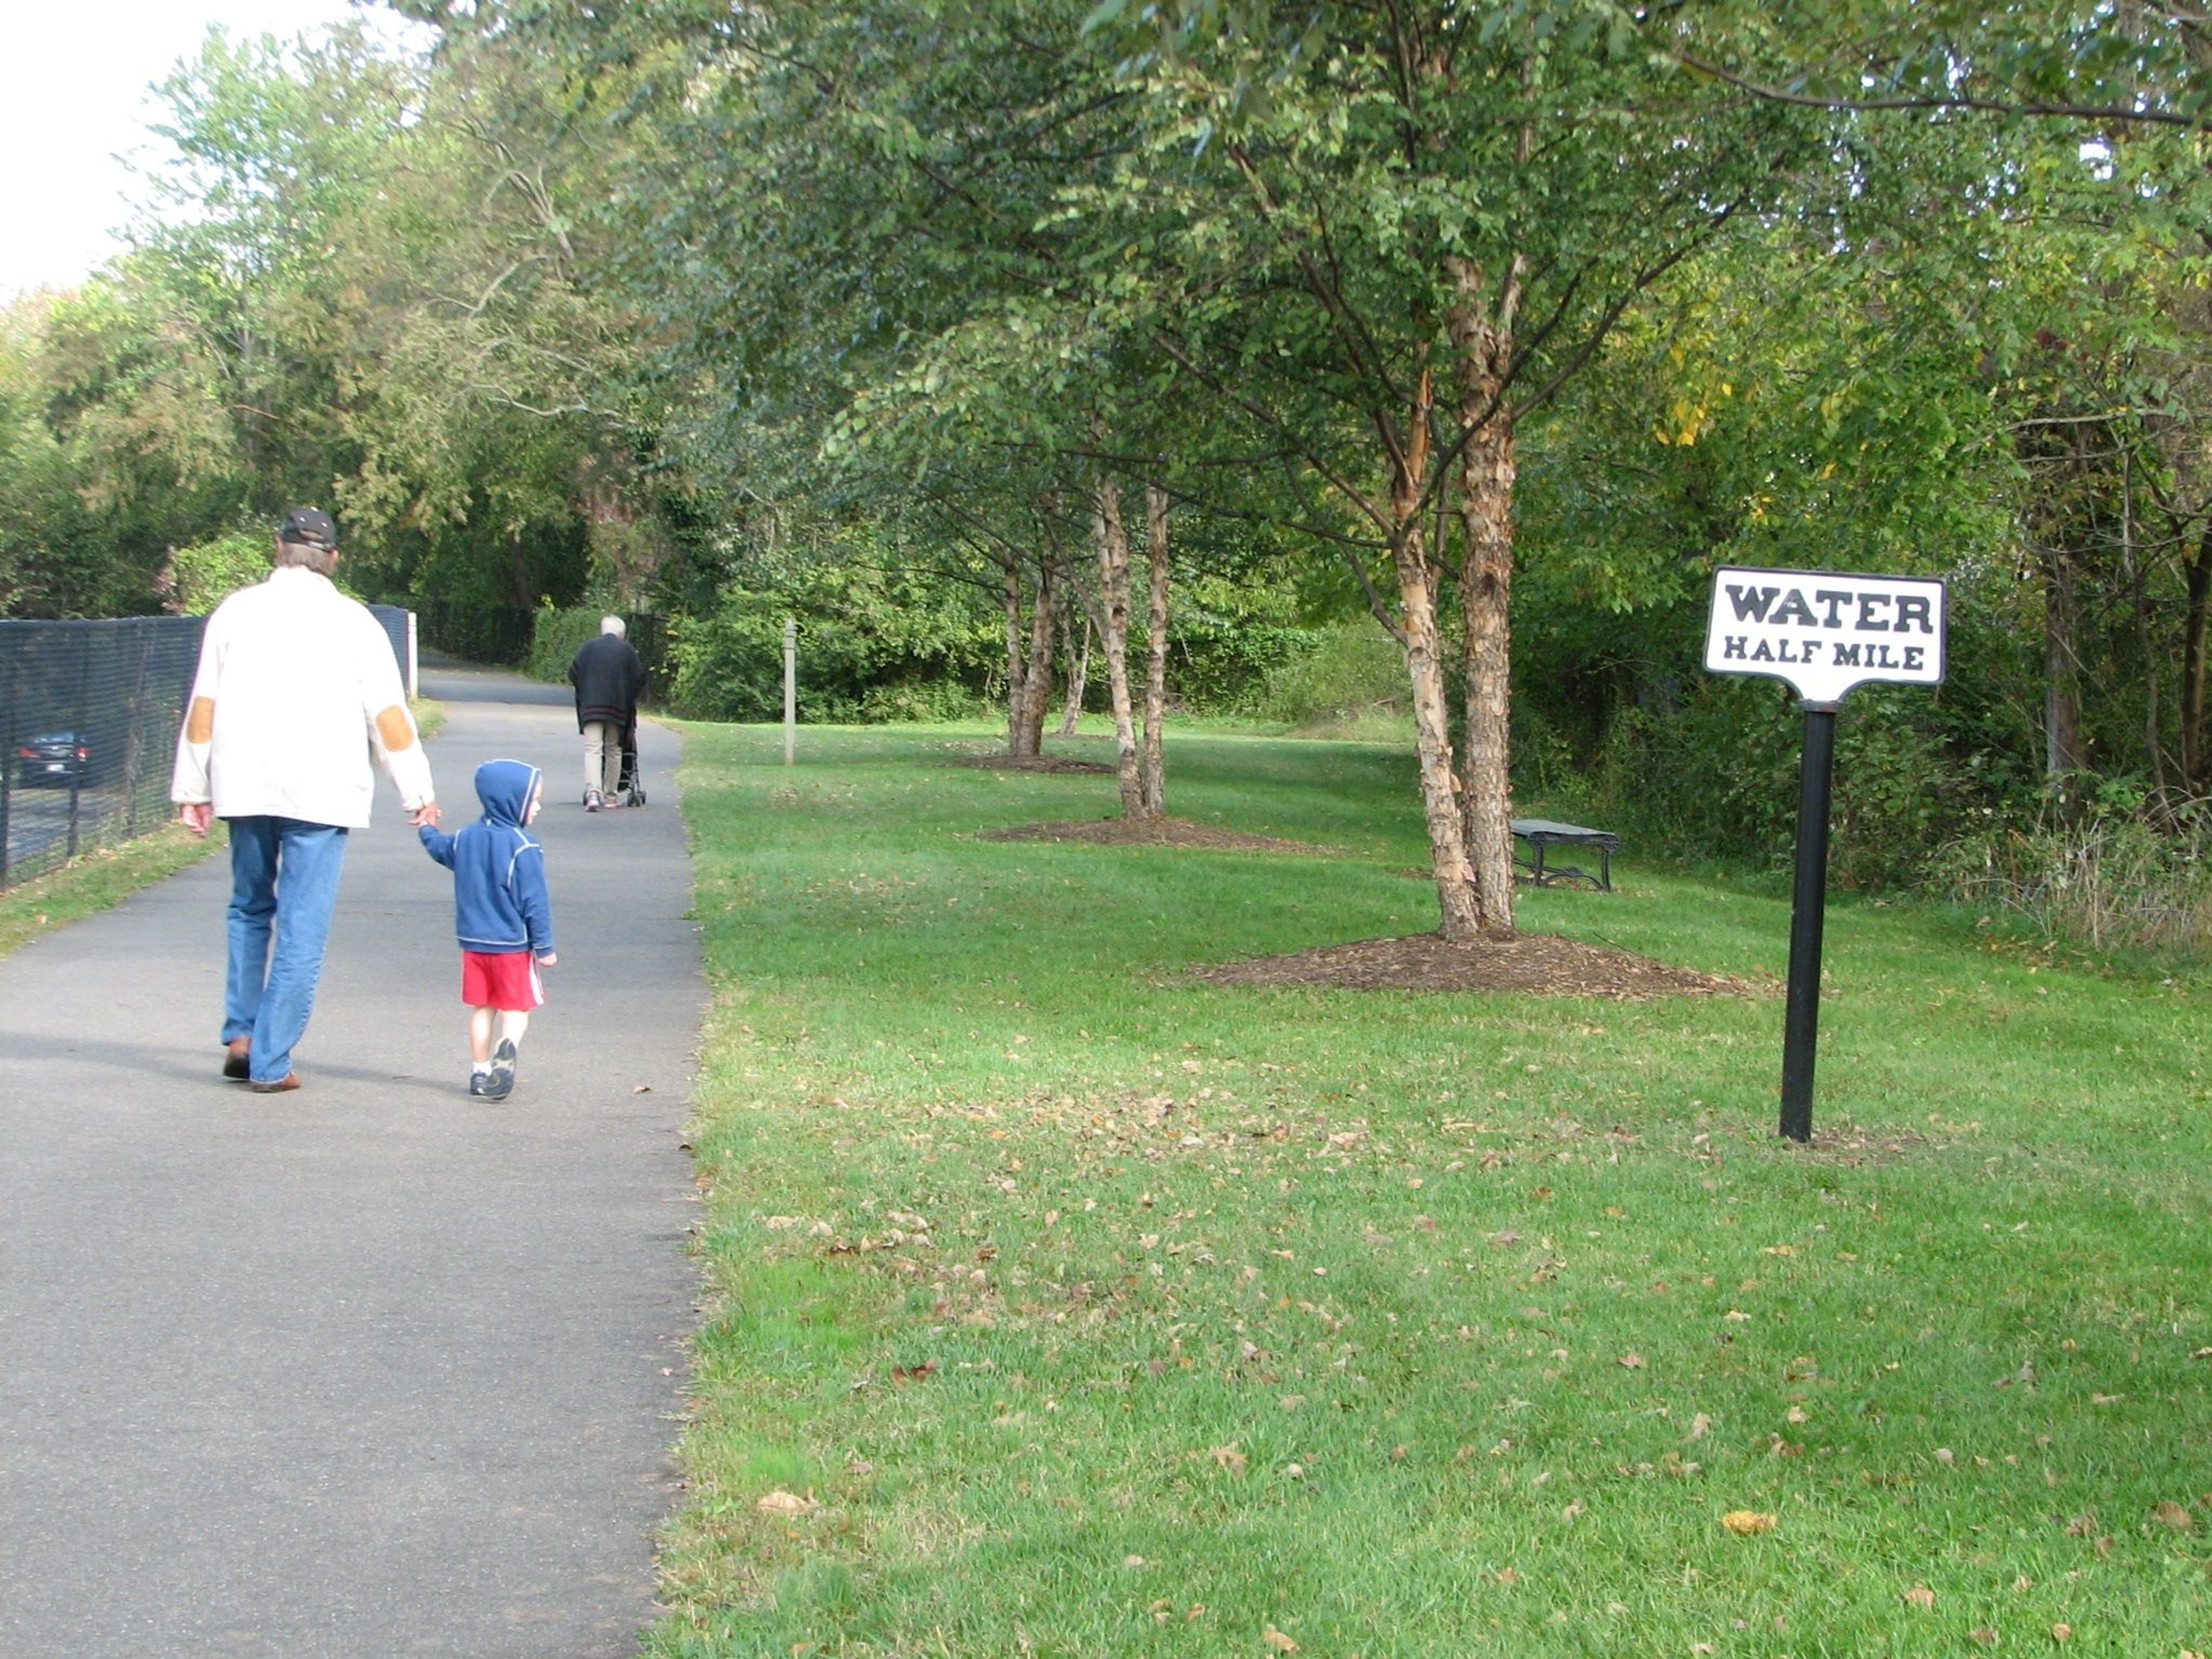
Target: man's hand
x=426 y=814
x=196 y=816
x=551 y=958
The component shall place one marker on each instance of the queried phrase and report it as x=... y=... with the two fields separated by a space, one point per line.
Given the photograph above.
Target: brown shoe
x=283 y=1084
x=236 y=1066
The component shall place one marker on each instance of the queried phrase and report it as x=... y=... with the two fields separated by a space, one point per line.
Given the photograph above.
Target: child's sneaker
x=500 y=1083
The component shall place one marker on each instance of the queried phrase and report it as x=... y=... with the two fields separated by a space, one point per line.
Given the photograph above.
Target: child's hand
x=549 y=959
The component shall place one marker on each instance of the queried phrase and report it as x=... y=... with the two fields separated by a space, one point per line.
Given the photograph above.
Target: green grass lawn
x=1082 y=1309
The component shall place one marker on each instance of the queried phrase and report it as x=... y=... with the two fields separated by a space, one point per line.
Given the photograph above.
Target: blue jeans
x=284 y=882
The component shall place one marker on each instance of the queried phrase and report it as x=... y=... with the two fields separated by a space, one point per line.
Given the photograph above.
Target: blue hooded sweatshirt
x=501 y=907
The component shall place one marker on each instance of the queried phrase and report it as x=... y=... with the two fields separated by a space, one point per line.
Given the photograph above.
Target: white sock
x=480 y=1067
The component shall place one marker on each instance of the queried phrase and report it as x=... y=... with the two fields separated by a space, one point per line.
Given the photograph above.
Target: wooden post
x=790 y=691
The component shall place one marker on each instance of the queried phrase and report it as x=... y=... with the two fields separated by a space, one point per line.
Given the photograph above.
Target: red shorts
x=508 y=980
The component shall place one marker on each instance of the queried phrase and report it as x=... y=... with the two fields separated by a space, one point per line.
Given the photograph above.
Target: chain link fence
x=89 y=711
x=496 y=635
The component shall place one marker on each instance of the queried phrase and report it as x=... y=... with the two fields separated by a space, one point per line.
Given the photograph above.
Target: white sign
x=1825 y=632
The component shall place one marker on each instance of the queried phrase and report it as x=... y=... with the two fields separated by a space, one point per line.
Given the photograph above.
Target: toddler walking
x=503 y=917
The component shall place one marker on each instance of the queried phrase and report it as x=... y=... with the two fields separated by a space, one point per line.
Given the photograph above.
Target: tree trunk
x=1036 y=693
x=1155 y=660
x=1079 y=673
x=1459 y=910
x=1113 y=539
x=1016 y=678
x=2063 y=754
x=1485 y=508
x=2194 y=627
x=518 y=572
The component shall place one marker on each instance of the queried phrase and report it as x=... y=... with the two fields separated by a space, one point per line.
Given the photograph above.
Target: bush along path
x=1063 y=1303
x=372 y=1367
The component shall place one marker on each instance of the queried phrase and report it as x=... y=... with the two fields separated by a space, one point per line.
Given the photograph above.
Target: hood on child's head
x=505 y=788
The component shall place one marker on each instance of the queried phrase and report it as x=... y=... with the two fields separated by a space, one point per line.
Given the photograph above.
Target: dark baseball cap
x=308 y=526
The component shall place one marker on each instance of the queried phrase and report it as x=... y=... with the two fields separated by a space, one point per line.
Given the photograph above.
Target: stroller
x=629 y=788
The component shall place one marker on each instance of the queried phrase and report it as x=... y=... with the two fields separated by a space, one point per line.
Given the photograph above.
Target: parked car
x=55 y=759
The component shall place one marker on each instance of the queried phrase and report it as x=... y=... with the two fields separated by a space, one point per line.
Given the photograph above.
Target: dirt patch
x=1049 y=764
x=1151 y=832
x=1540 y=964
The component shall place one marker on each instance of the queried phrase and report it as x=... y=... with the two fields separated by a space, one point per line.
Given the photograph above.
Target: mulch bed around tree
x=1149 y=832
x=1058 y=763
x=1540 y=964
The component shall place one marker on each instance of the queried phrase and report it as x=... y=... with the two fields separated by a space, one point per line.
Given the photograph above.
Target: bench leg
x=1604 y=868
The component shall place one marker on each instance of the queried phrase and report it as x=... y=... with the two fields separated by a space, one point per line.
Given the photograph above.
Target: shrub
x=2113 y=879
x=871 y=646
x=207 y=572
x=553 y=637
x=1344 y=671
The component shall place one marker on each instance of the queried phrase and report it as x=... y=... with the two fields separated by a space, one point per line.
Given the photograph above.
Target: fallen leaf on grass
x=1229 y=1458
x=1983 y=1634
x=901 y=1374
x=2171 y=1514
x=1701 y=1426
x=1275 y=1639
x=780 y=1502
x=1571 y=1510
x=2061 y=1632
x=1921 y=1596
x=1744 y=1522
x=2106 y=1399
x=1634 y=1362
x=1506 y=1575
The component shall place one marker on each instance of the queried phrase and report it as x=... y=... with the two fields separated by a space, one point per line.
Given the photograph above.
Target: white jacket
x=297 y=687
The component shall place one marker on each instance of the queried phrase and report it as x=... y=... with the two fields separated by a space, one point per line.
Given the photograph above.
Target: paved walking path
x=371 y=1369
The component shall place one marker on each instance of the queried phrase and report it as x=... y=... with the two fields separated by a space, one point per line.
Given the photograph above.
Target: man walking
x=608 y=674
x=296 y=686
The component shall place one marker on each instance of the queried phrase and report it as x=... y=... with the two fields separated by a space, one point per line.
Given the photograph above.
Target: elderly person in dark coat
x=608 y=674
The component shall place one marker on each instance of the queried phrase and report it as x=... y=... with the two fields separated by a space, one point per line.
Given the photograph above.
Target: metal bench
x=1542 y=832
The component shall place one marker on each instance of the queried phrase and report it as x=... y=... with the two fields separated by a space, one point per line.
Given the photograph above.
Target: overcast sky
x=73 y=96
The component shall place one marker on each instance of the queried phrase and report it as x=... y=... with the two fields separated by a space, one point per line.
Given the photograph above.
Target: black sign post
x=1800 y=1022
x=1823 y=632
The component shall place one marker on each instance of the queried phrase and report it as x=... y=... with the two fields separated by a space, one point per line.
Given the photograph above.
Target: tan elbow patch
x=199 y=724
x=395 y=729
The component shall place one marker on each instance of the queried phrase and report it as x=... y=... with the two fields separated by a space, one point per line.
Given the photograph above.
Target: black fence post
x=11 y=738
x=1800 y=1021
x=79 y=728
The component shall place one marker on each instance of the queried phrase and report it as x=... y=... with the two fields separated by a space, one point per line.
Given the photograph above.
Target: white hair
x=614 y=625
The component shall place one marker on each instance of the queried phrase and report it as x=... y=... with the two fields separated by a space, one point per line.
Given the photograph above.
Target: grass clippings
x=1149 y=832
x=1538 y=964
